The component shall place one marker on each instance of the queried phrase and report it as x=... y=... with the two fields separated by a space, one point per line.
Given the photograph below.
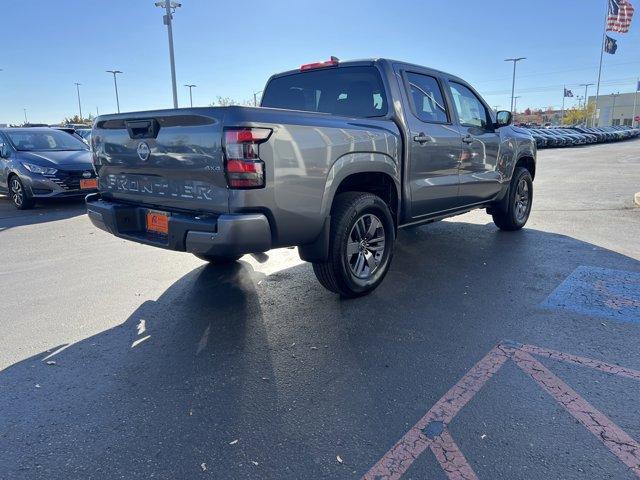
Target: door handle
x=422 y=138
x=467 y=139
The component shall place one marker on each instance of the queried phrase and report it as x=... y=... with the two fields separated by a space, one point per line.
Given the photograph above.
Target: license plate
x=158 y=222
x=88 y=183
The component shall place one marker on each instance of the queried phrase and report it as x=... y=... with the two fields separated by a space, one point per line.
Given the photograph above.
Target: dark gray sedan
x=39 y=163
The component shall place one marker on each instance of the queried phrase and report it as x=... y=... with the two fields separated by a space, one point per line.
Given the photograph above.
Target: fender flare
x=347 y=165
x=352 y=164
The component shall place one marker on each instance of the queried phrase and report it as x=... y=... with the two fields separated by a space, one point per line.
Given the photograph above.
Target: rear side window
x=349 y=91
x=427 y=98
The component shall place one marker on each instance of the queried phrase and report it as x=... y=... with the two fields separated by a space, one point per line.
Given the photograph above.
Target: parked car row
x=572 y=136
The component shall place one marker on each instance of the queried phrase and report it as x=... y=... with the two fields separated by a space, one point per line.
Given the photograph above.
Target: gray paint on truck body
x=307 y=157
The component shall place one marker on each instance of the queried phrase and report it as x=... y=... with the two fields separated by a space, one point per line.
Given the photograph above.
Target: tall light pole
x=115 y=84
x=25 y=115
x=190 y=86
x=613 y=107
x=170 y=8
x=79 y=104
x=255 y=98
x=586 y=101
x=635 y=102
x=513 y=83
x=515 y=102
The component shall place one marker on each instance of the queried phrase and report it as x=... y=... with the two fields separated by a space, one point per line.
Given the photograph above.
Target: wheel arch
x=527 y=161
x=376 y=173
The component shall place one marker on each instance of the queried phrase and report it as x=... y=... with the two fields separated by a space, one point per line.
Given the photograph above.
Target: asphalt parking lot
x=484 y=354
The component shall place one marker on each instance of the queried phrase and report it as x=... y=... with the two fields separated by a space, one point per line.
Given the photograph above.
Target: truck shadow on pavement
x=46 y=211
x=241 y=375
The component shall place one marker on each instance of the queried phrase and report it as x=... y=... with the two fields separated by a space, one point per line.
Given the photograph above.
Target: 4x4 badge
x=143 y=151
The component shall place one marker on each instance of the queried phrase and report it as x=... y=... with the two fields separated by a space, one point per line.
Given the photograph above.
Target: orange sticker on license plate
x=158 y=222
x=88 y=183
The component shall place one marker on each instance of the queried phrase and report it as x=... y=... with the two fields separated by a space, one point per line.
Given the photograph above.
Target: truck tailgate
x=169 y=159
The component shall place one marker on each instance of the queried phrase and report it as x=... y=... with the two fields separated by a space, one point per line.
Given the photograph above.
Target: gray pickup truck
x=337 y=158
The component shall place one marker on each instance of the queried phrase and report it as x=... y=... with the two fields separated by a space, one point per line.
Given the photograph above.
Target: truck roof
x=372 y=61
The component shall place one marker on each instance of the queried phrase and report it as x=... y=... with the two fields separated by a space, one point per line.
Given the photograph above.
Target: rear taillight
x=243 y=165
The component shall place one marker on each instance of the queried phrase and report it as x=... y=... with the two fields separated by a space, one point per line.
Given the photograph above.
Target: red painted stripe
x=451 y=459
x=583 y=361
x=400 y=457
x=614 y=438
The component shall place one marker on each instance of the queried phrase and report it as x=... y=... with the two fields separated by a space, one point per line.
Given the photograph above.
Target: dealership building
x=617 y=109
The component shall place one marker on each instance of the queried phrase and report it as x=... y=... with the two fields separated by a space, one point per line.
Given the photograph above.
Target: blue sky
x=229 y=48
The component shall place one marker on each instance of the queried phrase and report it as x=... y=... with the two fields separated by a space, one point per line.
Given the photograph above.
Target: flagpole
x=604 y=36
x=564 y=95
x=635 y=101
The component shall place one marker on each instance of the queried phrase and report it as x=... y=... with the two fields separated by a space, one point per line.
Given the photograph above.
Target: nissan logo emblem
x=86 y=174
x=143 y=151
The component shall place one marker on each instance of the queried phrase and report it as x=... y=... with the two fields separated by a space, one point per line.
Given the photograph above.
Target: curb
x=636 y=198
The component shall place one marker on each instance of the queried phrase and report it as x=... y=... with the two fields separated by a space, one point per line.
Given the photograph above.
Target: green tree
x=576 y=116
x=76 y=119
x=228 y=101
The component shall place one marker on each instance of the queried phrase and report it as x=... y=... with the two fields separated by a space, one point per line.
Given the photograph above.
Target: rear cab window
x=349 y=91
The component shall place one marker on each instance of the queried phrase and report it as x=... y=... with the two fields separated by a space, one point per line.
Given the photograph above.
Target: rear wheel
x=20 y=198
x=514 y=214
x=360 y=245
x=218 y=259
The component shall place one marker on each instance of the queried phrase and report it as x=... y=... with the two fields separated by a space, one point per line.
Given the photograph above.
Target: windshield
x=44 y=140
x=349 y=91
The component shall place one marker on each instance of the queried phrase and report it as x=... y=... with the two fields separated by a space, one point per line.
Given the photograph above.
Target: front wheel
x=20 y=198
x=360 y=245
x=514 y=215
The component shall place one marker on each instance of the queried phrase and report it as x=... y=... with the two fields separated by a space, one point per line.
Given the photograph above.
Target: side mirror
x=503 y=118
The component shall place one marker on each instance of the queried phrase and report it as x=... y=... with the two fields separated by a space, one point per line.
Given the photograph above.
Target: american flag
x=619 y=17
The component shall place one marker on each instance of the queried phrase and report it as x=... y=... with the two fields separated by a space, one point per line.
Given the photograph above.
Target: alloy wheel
x=522 y=200
x=17 y=194
x=365 y=246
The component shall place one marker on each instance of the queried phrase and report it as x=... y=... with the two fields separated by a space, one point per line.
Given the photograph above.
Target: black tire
x=513 y=214
x=20 y=197
x=338 y=274
x=218 y=259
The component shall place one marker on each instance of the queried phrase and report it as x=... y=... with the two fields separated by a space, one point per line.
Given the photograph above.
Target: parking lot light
x=79 y=103
x=513 y=82
x=115 y=84
x=514 y=108
x=170 y=8
x=586 y=101
x=255 y=98
x=190 y=86
x=613 y=107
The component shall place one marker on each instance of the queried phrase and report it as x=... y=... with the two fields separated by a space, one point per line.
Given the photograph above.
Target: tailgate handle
x=143 y=128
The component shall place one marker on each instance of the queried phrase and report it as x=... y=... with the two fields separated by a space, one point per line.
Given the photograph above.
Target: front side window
x=349 y=91
x=471 y=111
x=427 y=98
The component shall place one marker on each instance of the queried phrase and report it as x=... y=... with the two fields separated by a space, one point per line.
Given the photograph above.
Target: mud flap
x=318 y=250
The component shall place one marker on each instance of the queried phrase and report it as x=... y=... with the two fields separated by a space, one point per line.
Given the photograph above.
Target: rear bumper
x=199 y=234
